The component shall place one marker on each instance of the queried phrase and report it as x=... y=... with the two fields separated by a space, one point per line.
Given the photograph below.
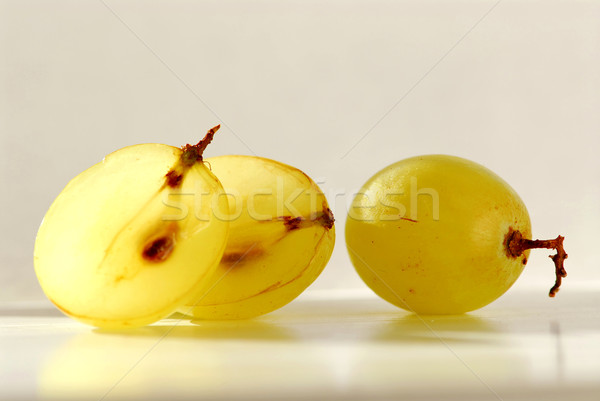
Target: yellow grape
x=132 y=238
x=438 y=234
x=281 y=237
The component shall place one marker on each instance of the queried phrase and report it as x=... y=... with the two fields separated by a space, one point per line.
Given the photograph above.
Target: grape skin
x=455 y=263
x=275 y=250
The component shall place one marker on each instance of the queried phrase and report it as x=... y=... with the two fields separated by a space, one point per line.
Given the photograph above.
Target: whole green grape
x=438 y=234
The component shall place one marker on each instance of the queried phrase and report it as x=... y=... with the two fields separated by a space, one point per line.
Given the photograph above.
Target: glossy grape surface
x=428 y=234
x=281 y=237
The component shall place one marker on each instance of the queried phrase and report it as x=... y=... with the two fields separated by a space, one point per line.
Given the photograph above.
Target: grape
x=281 y=236
x=132 y=238
x=438 y=234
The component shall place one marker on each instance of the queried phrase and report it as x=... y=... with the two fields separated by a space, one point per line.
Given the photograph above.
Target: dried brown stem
x=193 y=153
x=324 y=218
x=190 y=155
x=516 y=245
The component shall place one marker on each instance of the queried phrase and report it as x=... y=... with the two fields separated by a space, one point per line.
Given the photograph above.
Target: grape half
x=281 y=237
x=132 y=238
x=439 y=234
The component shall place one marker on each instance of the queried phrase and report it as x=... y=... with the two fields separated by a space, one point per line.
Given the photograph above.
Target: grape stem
x=325 y=218
x=193 y=153
x=190 y=155
x=516 y=245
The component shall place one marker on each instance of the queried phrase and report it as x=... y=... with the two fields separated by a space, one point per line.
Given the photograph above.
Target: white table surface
x=333 y=345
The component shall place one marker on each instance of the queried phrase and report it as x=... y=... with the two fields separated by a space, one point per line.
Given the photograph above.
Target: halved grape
x=281 y=236
x=133 y=237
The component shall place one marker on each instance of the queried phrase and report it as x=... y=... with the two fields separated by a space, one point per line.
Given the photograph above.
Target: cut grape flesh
x=132 y=238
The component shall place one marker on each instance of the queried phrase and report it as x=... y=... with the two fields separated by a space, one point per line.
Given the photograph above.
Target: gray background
x=339 y=89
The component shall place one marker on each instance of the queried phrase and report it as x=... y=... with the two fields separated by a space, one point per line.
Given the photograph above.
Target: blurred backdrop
x=339 y=89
